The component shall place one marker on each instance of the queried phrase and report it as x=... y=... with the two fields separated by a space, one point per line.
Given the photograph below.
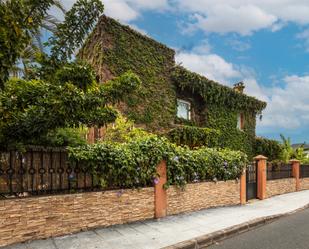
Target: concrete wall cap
x=294 y=161
x=260 y=157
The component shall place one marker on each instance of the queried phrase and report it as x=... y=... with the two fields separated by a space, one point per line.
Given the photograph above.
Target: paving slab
x=155 y=234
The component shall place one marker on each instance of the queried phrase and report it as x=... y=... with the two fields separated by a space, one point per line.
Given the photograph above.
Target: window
x=183 y=109
x=240 y=121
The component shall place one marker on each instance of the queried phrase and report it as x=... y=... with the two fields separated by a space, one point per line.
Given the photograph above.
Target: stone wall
x=280 y=186
x=198 y=196
x=304 y=183
x=42 y=217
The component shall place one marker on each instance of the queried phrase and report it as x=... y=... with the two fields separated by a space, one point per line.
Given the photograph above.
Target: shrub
x=63 y=137
x=194 y=136
x=32 y=109
x=123 y=130
x=133 y=164
x=269 y=148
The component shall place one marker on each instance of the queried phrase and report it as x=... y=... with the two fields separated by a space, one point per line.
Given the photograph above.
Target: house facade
x=170 y=95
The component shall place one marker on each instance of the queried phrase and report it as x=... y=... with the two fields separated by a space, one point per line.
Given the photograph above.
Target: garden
x=50 y=99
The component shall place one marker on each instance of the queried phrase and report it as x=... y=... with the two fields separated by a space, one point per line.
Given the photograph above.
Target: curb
x=211 y=238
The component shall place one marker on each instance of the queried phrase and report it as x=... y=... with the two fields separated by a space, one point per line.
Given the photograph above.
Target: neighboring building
x=170 y=95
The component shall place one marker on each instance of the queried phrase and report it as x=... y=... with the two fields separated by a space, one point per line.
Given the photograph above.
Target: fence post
x=261 y=176
x=295 y=172
x=243 y=188
x=160 y=192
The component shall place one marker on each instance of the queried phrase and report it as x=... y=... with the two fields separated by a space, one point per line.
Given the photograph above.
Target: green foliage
x=31 y=109
x=194 y=136
x=287 y=150
x=78 y=73
x=133 y=164
x=272 y=149
x=19 y=19
x=70 y=34
x=289 y=153
x=214 y=93
x=224 y=120
x=123 y=130
x=299 y=154
x=113 y=49
x=63 y=137
x=21 y=22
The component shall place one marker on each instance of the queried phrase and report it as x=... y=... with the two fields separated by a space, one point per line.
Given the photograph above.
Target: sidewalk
x=154 y=234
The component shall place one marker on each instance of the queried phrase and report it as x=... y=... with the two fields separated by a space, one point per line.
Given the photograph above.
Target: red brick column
x=261 y=176
x=160 y=192
x=295 y=171
x=243 y=188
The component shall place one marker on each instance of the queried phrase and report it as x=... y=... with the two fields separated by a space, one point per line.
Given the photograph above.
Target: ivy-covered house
x=171 y=96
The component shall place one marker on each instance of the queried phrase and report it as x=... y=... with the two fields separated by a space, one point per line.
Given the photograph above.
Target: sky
x=264 y=43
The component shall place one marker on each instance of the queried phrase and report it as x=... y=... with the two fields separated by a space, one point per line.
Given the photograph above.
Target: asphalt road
x=291 y=232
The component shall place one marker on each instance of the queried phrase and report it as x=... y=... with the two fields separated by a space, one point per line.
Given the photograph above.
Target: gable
x=113 y=49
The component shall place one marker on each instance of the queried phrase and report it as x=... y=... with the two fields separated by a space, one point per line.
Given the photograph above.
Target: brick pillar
x=243 y=188
x=160 y=192
x=261 y=176
x=295 y=172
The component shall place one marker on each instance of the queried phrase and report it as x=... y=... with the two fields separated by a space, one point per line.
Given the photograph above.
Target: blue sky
x=264 y=43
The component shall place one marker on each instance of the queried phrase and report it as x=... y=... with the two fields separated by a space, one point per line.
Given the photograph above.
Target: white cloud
x=123 y=10
x=138 y=29
x=212 y=66
x=287 y=103
x=120 y=10
x=225 y=19
x=288 y=106
x=238 y=44
x=244 y=16
x=203 y=48
x=305 y=37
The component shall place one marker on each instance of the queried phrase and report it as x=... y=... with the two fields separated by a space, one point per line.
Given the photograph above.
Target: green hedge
x=133 y=164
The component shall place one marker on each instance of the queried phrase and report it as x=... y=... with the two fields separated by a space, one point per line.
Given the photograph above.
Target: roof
x=214 y=93
x=210 y=91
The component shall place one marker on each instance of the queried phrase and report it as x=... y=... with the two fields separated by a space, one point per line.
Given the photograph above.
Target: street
x=290 y=232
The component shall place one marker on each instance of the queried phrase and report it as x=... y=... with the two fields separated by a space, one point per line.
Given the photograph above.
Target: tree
x=29 y=110
x=287 y=150
x=19 y=19
x=22 y=20
x=70 y=34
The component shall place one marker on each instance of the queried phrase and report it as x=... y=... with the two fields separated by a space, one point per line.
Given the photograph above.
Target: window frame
x=240 y=121
x=188 y=110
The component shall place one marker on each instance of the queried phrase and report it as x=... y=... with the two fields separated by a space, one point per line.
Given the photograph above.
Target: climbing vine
x=214 y=93
x=133 y=164
x=113 y=49
x=194 y=136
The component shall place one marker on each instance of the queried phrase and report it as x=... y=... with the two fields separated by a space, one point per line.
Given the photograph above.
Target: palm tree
x=29 y=54
x=287 y=150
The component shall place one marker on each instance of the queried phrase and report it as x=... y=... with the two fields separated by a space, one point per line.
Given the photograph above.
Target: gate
x=251 y=181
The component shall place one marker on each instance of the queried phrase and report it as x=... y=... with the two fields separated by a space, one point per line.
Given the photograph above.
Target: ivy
x=215 y=93
x=133 y=164
x=194 y=136
x=113 y=49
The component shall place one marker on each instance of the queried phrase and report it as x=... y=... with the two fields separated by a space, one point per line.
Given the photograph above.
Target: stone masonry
x=304 y=183
x=280 y=186
x=198 y=196
x=43 y=217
